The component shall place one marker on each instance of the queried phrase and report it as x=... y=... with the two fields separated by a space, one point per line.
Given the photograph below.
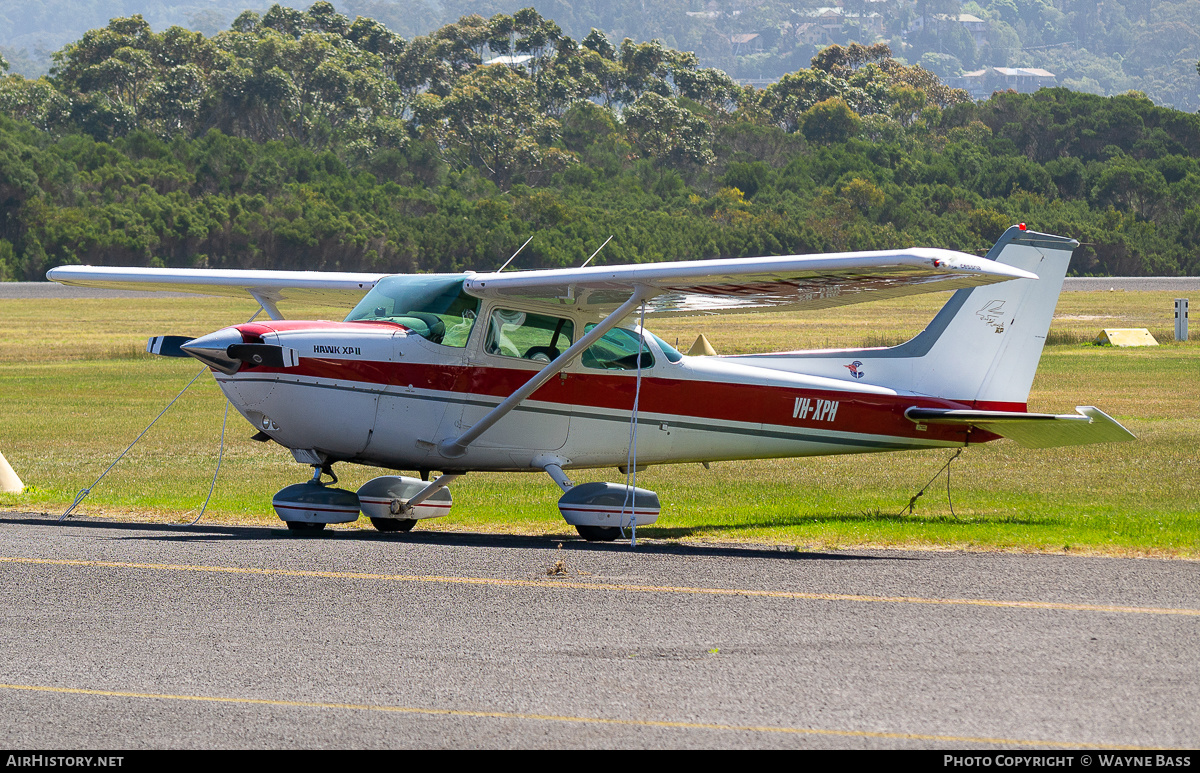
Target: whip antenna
x=515 y=254
x=597 y=252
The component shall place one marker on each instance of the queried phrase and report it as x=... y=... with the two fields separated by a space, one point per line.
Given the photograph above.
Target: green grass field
x=75 y=389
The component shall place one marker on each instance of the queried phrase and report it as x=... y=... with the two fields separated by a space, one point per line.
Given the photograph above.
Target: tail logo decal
x=855 y=369
x=991 y=314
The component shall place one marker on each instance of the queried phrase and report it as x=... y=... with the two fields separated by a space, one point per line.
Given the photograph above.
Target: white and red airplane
x=549 y=371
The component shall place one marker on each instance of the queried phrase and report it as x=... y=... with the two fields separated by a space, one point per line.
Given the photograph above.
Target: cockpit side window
x=617 y=350
x=432 y=306
x=534 y=337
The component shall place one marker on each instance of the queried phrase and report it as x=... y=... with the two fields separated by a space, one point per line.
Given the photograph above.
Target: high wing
x=677 y=288
x=749 y=284
x=312 y=288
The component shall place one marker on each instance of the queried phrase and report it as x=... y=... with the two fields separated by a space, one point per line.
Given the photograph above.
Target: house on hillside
x=746 y=43
x=518 y=60
x=833 y=21
x=973 y=25
x=980 y=84
x=810 y=33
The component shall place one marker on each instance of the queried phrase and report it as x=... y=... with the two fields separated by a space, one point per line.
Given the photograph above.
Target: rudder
x=985 y=344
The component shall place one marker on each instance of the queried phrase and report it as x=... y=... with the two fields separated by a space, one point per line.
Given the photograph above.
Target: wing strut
x=267 y=302
x=443 y=480
x=454 y=448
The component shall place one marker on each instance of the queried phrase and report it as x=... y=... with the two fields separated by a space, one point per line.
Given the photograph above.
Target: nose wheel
x=307 y=507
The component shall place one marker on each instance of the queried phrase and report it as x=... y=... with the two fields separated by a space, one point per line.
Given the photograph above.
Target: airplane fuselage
x=377 y=394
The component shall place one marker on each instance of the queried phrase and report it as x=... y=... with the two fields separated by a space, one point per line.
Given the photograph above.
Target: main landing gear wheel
x=598 y=533
x=393 y=524
x=304 y=527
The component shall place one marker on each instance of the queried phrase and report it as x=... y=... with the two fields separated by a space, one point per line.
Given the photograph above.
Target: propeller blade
x=168 y=346
x=266 y=355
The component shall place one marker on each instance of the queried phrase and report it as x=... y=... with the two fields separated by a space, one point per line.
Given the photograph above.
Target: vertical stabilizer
x=983 y=346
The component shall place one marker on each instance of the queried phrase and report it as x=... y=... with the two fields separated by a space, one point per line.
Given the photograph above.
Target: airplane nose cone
x=213 y=350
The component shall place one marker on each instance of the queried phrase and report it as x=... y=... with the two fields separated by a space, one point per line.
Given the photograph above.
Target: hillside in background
x=1101 y=48
x=310 y=140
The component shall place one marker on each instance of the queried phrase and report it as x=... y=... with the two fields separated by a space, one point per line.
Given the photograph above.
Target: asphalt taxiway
x=129 y=635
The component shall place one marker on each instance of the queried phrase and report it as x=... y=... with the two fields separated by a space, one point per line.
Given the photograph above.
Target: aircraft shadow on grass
x=869 y=517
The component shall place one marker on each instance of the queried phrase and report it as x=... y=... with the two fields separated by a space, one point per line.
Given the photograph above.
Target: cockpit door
x=510 y=349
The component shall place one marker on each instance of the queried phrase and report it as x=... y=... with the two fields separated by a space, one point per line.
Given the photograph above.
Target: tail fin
x=982 y=348
x=985 y=343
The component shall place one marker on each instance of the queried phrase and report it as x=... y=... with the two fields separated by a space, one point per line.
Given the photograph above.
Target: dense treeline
x=292 y=142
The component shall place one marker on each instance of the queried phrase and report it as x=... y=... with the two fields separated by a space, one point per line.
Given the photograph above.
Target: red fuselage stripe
x=847 y=411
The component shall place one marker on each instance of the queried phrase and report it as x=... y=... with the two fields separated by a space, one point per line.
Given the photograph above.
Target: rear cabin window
x=617 y=350
x=535 y=337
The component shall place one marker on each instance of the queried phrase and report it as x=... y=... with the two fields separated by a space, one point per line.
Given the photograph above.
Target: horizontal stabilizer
x=1033 y=430
x=168 y=346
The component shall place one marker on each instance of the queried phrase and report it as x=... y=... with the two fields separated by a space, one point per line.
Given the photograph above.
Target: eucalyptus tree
x=667 y=132
x=491 y=120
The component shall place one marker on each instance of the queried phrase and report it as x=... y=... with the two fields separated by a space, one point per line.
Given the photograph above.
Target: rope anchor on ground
x=912 y=503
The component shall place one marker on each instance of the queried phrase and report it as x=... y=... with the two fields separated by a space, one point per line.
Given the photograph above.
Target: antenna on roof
x=597 y=252
x=515 y=254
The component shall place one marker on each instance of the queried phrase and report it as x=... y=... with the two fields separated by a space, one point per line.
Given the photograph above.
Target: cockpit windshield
x=433 y=306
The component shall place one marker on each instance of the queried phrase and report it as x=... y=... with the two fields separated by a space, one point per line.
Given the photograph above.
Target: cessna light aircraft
x=550 y=371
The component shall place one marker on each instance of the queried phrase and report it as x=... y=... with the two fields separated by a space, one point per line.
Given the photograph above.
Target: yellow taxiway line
x=948 y=739
x=551 y=583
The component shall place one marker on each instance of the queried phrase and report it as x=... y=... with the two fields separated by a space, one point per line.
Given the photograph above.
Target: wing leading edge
x=678 y=288
x=750 y=284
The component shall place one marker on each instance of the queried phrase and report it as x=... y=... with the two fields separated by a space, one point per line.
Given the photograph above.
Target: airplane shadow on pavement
x=200 y=533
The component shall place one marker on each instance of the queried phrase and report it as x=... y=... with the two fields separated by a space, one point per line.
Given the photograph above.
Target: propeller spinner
x=224 y=351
